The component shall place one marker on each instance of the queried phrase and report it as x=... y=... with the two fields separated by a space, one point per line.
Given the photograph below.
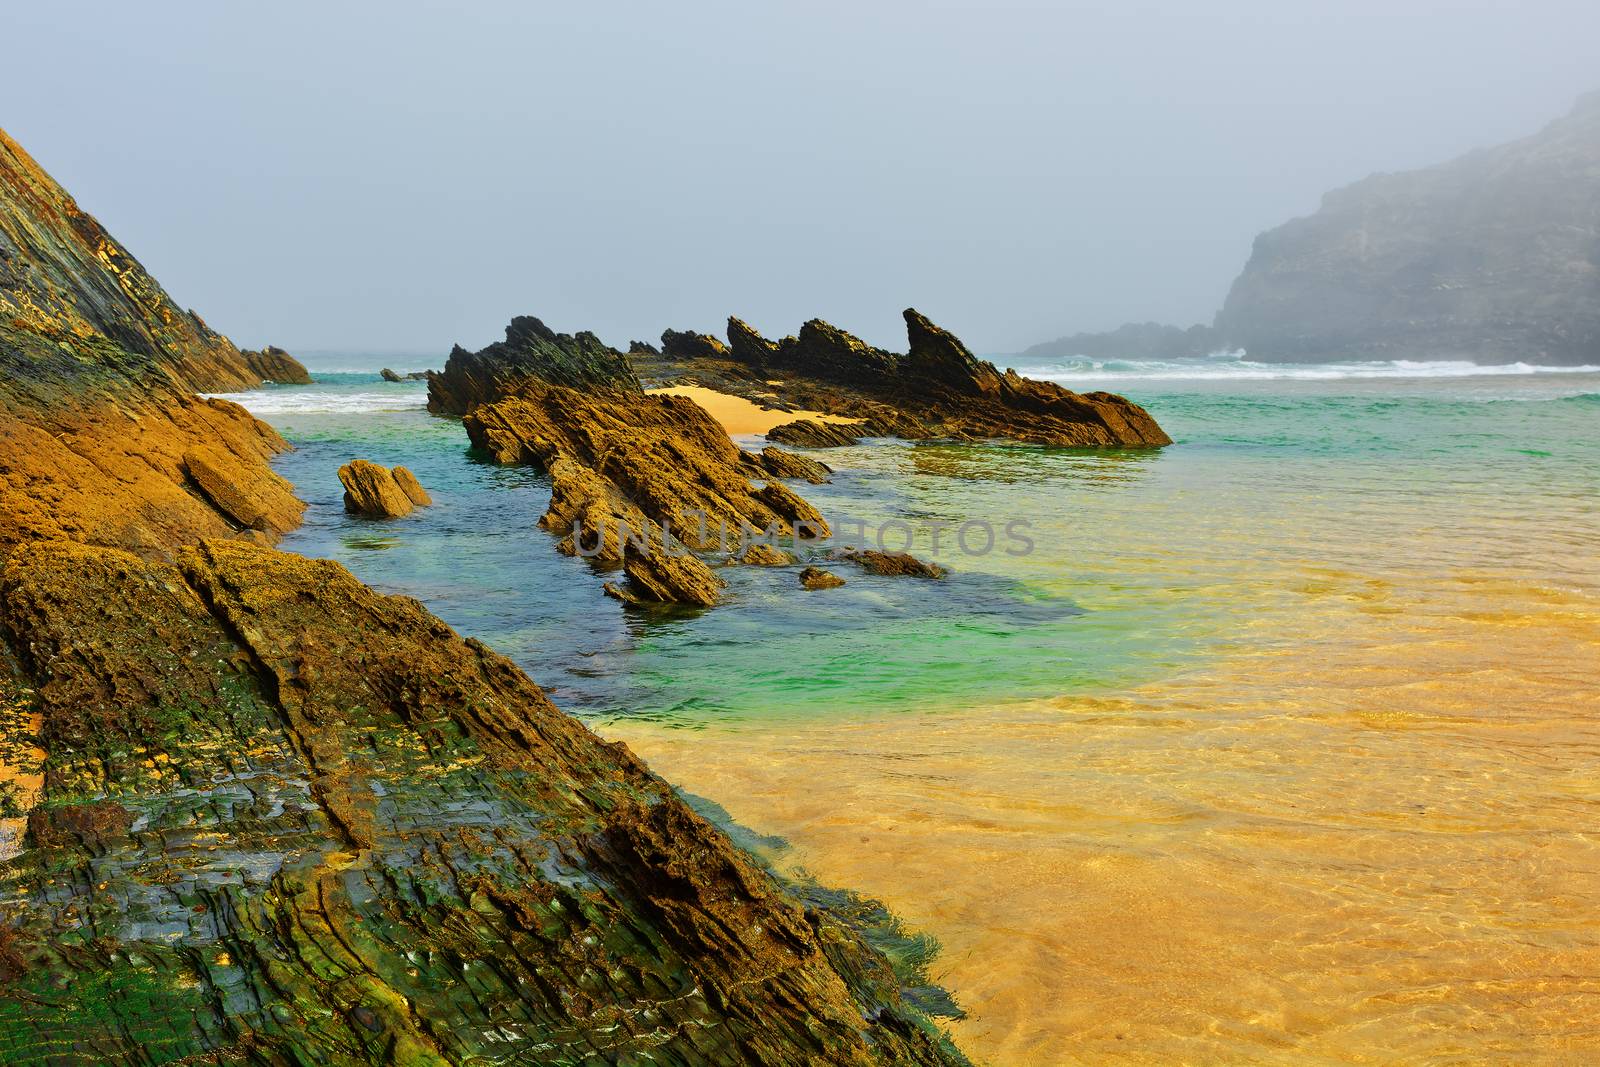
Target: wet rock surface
x=283 y=819
x=936 y=390
x=817 y=578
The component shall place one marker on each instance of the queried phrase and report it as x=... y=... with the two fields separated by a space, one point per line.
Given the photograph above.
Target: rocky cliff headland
x=286 y=820
x=1492 y=257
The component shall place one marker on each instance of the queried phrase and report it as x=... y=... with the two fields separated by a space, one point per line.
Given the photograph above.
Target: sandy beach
x=741 y=417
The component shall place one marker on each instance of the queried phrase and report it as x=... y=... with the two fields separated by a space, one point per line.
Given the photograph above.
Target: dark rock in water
x=370 y=489
x=892 y=564
x=783 y=464
x=273 y=364
x=937 y=389
x=531 y=350
x=817 y=578
x=1494 y=257
x=683 y=345
x=809 y=433
x=389 y=375
x=285 y=819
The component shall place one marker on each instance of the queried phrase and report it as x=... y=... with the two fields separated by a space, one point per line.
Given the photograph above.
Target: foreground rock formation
x=286 y=820
x=936 y=390
x=381 y=493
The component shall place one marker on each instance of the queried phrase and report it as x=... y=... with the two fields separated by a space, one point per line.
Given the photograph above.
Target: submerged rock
x=892 y=564
x=376 y=491
x=760 y=554
x=817 y=578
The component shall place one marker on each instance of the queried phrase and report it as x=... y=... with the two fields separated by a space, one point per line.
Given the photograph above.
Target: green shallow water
x=1145 y=564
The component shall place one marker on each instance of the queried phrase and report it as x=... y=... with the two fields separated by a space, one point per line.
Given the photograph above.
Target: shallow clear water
x=1283 y=745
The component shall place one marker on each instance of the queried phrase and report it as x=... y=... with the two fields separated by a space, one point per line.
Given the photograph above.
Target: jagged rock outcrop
x=286 y=820
x=817 y=578
x=809 y=433
x=937 y=389
x=317 y=826
x=676 y=344
x=531 y=350
x=639 y=480
x=376 y=491
x=1494 y=257
x=389 y=374
x=65 y=281
x=273 y=364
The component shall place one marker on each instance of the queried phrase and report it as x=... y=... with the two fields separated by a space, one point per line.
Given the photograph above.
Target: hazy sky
x=396 y=177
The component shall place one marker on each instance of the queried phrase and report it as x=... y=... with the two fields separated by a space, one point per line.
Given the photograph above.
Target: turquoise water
x=1145 y=564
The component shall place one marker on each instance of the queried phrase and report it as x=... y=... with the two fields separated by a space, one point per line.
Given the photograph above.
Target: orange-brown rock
x=286 y=820
x=411 y=487
x=783 y=464
x=65 y=281
x=817 y=578
x=374 y=490
x=656 y=469
x=809 y=433
x=761 y=554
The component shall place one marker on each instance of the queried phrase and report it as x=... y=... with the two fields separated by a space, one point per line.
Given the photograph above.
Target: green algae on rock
x=283 y=819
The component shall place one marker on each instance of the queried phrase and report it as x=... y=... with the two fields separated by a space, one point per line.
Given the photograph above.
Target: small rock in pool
x=817 y=578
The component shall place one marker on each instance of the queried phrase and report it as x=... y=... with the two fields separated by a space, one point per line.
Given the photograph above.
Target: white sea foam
x=1232 y=368
x=332 y=401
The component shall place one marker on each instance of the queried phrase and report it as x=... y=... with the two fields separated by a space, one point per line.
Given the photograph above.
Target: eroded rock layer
x=638 y=480
x=286 y=820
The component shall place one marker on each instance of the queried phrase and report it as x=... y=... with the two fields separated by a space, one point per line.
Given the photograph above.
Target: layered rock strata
x=286 y=820
x=639 y=481
x=936 y=390
x=376 y=491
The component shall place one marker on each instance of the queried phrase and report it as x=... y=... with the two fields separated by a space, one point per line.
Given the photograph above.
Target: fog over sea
x=1280 y=744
